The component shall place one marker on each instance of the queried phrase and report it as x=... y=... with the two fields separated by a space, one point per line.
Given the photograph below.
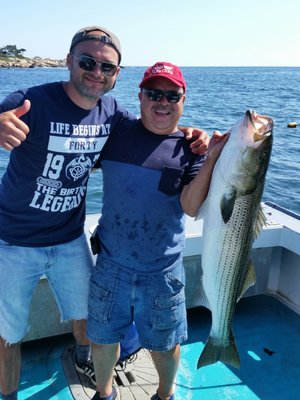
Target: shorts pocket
x=103 y=286
x=168 y=307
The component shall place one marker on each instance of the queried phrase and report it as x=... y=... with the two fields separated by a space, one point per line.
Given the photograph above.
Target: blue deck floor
x=42 y=374
x=268 y=339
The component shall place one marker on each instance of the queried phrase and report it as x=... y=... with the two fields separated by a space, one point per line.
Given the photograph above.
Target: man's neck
x=86 y=103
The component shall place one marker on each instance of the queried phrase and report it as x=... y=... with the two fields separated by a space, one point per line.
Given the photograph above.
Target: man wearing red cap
x=150 y=179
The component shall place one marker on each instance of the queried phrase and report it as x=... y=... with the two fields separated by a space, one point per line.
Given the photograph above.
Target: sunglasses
x=172 y=96
x=88 y=63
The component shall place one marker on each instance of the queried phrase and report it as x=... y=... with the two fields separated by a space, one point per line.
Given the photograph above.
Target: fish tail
x=214 y=352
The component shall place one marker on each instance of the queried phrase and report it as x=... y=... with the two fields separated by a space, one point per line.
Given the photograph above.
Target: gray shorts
x=155 y=302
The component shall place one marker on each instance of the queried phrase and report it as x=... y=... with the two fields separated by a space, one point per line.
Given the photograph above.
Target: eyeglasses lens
x=172 y=96
x=89 y=64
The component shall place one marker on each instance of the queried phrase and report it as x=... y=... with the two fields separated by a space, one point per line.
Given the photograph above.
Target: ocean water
x=216 y=98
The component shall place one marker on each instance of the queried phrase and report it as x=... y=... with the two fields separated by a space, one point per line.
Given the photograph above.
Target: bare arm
x=194 y=194
x=13 y=131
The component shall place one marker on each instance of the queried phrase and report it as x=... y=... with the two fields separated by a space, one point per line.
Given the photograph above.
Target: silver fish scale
x=239 y=230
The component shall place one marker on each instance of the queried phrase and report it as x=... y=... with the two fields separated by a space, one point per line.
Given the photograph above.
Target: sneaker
x=110 y=397
x=155 y=397
x=87 y=369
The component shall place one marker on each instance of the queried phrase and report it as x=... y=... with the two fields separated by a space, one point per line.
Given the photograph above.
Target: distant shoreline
x=22 y=62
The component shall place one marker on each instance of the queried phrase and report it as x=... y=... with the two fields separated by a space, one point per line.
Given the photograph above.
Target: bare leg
x=166 y=363
x=10 y=364
x=79 y=332
x=105 y=357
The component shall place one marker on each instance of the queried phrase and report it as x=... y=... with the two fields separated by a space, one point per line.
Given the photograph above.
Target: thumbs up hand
x=13 y=131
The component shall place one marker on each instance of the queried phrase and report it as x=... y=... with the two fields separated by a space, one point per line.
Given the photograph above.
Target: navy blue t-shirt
x=142 y=222
x=42 y=193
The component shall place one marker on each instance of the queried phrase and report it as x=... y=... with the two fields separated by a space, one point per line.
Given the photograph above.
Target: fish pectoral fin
x=260 y=222
x=202 y=210
x=227 y=205
x=249 y=280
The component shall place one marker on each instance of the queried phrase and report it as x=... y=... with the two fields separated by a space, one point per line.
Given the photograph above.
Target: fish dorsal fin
x=227 y=205
x=249 y=280
x=260 y=222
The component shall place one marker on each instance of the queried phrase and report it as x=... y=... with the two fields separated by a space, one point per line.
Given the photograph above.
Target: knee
x=171 y=354
x=106 y=352
x=105 y=348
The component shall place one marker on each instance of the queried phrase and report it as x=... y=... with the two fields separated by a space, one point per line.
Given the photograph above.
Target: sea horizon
x=216 y=97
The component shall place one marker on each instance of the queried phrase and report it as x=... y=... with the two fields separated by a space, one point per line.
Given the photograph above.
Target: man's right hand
x=13 y=131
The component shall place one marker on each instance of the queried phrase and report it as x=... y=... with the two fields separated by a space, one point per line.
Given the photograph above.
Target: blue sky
x=185 y=32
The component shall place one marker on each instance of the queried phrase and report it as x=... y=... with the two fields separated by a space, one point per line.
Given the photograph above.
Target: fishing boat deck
x=267 y=334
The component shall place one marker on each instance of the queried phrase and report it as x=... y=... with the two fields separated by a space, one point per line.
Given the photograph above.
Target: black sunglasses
x=172 y=96
x=88 y=63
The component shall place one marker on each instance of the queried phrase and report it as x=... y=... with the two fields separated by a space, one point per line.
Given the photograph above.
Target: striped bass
x=232 y=220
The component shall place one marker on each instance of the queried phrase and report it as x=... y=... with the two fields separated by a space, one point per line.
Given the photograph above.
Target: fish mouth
x=261 y=124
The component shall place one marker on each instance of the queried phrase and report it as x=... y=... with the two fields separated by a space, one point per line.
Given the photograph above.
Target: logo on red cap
x=164 y=70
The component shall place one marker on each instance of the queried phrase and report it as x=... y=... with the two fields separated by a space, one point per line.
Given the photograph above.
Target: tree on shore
x=11 y=50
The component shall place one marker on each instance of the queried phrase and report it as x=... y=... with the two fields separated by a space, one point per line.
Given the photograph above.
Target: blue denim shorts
x=155 y=302
x=67 y=267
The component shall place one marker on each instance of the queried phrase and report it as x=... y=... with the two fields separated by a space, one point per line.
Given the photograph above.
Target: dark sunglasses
x=88 y=63
x=172 y=96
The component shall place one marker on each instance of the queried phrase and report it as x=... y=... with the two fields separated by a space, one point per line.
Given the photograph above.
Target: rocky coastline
x=36 y=62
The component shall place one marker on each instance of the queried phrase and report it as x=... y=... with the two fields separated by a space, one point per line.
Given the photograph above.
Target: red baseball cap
x=166 y=70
